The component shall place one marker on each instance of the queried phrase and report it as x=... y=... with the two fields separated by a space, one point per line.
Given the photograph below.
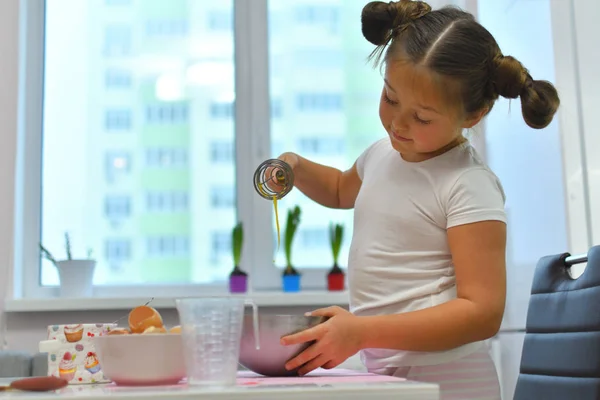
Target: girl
x=427 y=260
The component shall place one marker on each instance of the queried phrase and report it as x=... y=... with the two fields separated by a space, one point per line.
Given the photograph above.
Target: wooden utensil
x=36 y=384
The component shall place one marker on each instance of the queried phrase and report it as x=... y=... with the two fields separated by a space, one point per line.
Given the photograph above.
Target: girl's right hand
x=289 y=158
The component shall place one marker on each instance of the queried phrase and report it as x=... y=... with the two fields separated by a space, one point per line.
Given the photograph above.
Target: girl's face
x=420 y=121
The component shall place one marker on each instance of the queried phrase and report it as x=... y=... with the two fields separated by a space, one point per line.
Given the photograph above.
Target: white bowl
x=137 y=360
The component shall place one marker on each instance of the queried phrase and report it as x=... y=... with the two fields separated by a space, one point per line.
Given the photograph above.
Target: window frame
x=252 y=146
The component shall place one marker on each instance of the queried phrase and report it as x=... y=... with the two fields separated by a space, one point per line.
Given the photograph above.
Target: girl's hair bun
x=381 y=21
x=539 y=99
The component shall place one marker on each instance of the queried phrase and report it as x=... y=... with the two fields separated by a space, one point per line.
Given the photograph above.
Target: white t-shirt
x=399 y=258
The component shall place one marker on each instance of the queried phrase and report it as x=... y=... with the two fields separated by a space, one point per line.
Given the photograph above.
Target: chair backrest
x=561 y=351
x=15 y=364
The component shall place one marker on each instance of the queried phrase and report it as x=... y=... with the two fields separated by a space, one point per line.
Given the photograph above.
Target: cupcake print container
x=71 y=353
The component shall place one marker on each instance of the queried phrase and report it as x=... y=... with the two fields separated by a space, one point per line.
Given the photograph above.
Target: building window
x=276 y=108
x=117 y=120
x=117 y=207
x=220 y=21
x=167 y=157
x=222 y=197
x=117 y=40
x=117 y=250
x=323 y=58
x=322 y=145
x=221 y=244
x=167 y=246
x=117 y=79
x=221 y=110
x=167 y=202
x=167 y=113
x=319 y=102
x=167 y=28
x=221 y=152
x=278 y=146
x=328 y=17
x=315 y=238
x=117 y=2
x=117 y=163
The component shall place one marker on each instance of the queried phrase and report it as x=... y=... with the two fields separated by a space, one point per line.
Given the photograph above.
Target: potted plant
x=336 y=276
x=238 y=279
x=291 y=277
x=76 y=275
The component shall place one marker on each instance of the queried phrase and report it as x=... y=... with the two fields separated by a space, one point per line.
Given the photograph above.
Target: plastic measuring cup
x=211 y=329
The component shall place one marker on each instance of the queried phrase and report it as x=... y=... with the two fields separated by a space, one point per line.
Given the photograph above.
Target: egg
x=118 y=331
x=154 y=330
x=144 y=317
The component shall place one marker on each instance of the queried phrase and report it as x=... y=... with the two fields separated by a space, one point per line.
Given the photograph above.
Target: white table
x=322 y=384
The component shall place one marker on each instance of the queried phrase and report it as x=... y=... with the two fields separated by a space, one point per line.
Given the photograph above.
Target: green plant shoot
x=47 y=255
x=291 y=226
x=68 y=246
x=336 y=237
x=237 y=241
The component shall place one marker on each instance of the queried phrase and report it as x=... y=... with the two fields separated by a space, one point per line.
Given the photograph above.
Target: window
x=326 y=16
x=117 y=2
x=221 y=152
x=322 y=146
x=94 y=132
x=116 y=258
x=117 y=164
x=315 y=238
x=171 y=202
x=221 y=110
x=167 y=113
x=117 y=250
x=276 y=108
x=167 y=246
x=324 y=58
x=222 y=197
x=319 y=102
x=178 y=157
x=221 y=244
x=167 y=28
x=117 y=207
x=117 y=79
x=167 y=157
x=117 y=120
x=220 y=21
x=323 y=119
x=117 y=40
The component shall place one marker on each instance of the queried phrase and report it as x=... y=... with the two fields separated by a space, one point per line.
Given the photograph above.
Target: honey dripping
x=274 y=197
x=281 y=174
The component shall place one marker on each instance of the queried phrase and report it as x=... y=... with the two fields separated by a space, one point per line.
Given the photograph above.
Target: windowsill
x=261 y=299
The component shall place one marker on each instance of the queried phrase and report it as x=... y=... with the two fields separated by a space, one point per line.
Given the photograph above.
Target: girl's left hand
x=335 y=340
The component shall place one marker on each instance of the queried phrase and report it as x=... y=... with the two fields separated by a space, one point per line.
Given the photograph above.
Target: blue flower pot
x=291 y=283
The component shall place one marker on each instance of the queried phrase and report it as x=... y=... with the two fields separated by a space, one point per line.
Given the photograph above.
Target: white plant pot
x=76 y=277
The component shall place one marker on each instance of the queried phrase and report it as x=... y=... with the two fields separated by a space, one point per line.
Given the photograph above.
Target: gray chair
x=39 y=364
x=561 y=352
x=20 y=364
x=15 y=364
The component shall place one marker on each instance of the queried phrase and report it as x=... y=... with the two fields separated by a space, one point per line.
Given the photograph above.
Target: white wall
x=587 y=14
x=9 y=56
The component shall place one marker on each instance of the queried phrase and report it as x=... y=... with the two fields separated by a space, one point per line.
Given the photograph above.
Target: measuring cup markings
x=212 y=331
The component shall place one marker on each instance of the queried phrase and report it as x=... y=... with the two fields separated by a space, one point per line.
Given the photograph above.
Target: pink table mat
x=248 y=379
x=318 y=376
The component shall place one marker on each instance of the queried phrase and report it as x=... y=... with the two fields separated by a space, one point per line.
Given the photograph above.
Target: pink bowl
x=138 y=360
